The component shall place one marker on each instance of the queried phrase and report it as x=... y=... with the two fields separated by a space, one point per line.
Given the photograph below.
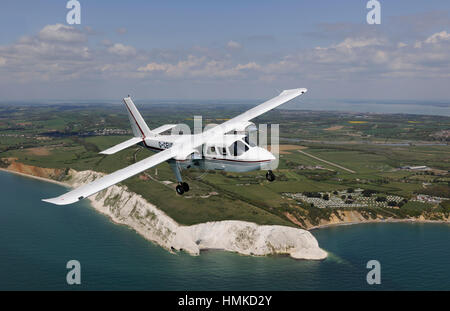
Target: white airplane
x=222 y=147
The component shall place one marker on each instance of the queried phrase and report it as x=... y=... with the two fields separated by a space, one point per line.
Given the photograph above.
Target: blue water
x=440 y=108
x=37 y=240
x=429 y=107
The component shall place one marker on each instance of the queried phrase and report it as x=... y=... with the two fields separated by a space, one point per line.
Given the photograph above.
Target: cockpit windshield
x=251 y=142
x=238 y=148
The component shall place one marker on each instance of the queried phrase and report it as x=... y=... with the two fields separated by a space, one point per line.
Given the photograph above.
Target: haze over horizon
x=211 y=51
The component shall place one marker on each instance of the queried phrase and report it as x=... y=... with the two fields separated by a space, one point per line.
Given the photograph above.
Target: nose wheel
x=182 y=187
x=270 y=176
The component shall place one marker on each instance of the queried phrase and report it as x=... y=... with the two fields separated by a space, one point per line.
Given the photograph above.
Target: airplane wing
x=231 y=124
x=111 y=179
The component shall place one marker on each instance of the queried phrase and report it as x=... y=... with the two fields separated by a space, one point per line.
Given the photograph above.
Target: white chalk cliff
x=131 y=209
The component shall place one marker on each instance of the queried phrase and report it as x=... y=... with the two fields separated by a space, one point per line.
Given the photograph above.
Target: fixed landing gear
x=185 y=186
x=182 y=187
x=270 y=176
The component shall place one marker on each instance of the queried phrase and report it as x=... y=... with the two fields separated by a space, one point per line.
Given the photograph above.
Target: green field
x=71 y=136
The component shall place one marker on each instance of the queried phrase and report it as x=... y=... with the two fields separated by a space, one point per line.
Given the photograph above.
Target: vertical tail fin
x=138 y=125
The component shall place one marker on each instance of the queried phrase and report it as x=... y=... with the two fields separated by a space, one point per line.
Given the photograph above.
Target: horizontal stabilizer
x=121 y=146
x=163 y=128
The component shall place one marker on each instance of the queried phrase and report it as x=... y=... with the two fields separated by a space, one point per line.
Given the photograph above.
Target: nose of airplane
x=264 y=154
x=267 y=159
x=271 y=156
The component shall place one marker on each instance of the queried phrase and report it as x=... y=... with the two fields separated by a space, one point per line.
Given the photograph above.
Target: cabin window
x=224 y=151
x=251 y=142
x=246 y=147
x=212 y=150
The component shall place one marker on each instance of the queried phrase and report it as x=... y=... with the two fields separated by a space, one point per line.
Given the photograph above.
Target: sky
x=224 y=50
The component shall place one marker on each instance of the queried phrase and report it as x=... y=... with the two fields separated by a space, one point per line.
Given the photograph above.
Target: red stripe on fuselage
x=214 y=159
x=257 y=161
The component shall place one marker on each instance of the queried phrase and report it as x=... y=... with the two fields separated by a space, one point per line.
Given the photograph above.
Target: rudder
x=138 y=125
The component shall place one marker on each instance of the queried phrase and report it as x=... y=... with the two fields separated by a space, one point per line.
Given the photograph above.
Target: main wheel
x=270 y=176
x=185 y=186
x=179 y=189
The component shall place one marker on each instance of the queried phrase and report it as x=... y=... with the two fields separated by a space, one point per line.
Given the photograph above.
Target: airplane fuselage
x=255 y=158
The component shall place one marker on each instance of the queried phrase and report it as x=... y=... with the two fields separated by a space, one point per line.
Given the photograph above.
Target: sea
x=38 y=239
x=413 y=107
x=432 y=108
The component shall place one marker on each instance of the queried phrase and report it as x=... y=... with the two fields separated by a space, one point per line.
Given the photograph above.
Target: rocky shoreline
x=125 y=207
x=354 y=218
x=389 y=220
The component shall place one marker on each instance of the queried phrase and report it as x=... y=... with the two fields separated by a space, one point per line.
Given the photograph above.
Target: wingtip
x=56 y=201
x=52 y=200
x=295 y=91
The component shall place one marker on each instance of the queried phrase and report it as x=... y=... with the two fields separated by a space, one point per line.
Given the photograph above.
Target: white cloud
x=438 y=37
x=179 y=69
x=122 y=50
x=56 y=51
x=368 y=58
x=351 y=43
x=199 y=67
x=247 y=66
x=434 y=39
x=154 y=67
x=62 y=33
x=380 y=57
x=63 y=53
x=233 y=45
